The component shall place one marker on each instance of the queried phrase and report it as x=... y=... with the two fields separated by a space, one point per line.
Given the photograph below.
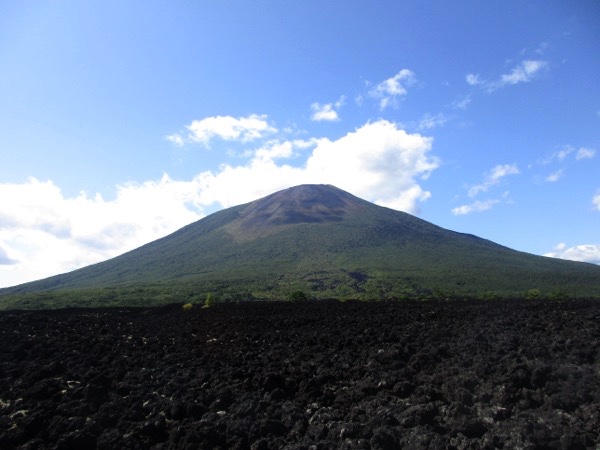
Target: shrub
x=559 y=295
x=209 y=301
x=298 y=296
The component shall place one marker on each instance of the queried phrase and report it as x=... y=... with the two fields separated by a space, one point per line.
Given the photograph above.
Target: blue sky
x=120 y=122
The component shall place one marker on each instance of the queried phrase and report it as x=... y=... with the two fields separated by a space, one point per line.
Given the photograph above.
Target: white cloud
x=494 y=177
x=584 y=253
x=327 y=112
x=323 y=112
x=43 y=232
x=555 y=176
x=389 y=91
x=596 y=201
x=279 y=150
x=378 y=161
x=244 y=129
x=477 y=206
x=46 y=233
x=5 y=260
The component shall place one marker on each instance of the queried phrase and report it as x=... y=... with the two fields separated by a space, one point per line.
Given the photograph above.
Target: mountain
x=316 y=239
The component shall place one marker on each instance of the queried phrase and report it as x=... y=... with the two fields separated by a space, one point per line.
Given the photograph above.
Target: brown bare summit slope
x=310 y=203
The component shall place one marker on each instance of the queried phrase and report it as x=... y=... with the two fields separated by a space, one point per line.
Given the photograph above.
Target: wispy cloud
x=245 y=129
x=569 y=150
x=473 y=79
x=389 y=91
x=176 y=139
x=562 y=156
x=477 y=206
x=555 y=176
x=584 y=253
x=491 y=178
x=429 y=122
x=585 y=153
x=462 y=103
x=524 y=72
x=541 y=49
x=596 y=201
x=494 y=177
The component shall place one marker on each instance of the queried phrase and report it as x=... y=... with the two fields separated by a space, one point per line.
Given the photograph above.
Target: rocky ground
x=312 y=375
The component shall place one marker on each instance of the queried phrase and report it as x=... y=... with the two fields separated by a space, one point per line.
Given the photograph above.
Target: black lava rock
x=309 y=375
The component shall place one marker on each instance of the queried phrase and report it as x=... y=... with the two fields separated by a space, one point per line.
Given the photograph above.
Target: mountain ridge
x=318 y=239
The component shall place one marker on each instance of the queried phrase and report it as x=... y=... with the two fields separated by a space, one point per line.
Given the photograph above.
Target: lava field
x=451 y=374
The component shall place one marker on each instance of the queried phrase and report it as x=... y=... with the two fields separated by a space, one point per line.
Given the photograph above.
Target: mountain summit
x=315 y=238
x=303 y=204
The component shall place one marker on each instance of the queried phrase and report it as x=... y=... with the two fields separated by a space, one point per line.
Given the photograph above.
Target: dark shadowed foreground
x=439 y=374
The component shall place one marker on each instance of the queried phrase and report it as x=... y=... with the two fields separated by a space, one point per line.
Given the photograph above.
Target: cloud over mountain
x=46 y=232
x=5 y=259
x=378 y=161
x=585 y=253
